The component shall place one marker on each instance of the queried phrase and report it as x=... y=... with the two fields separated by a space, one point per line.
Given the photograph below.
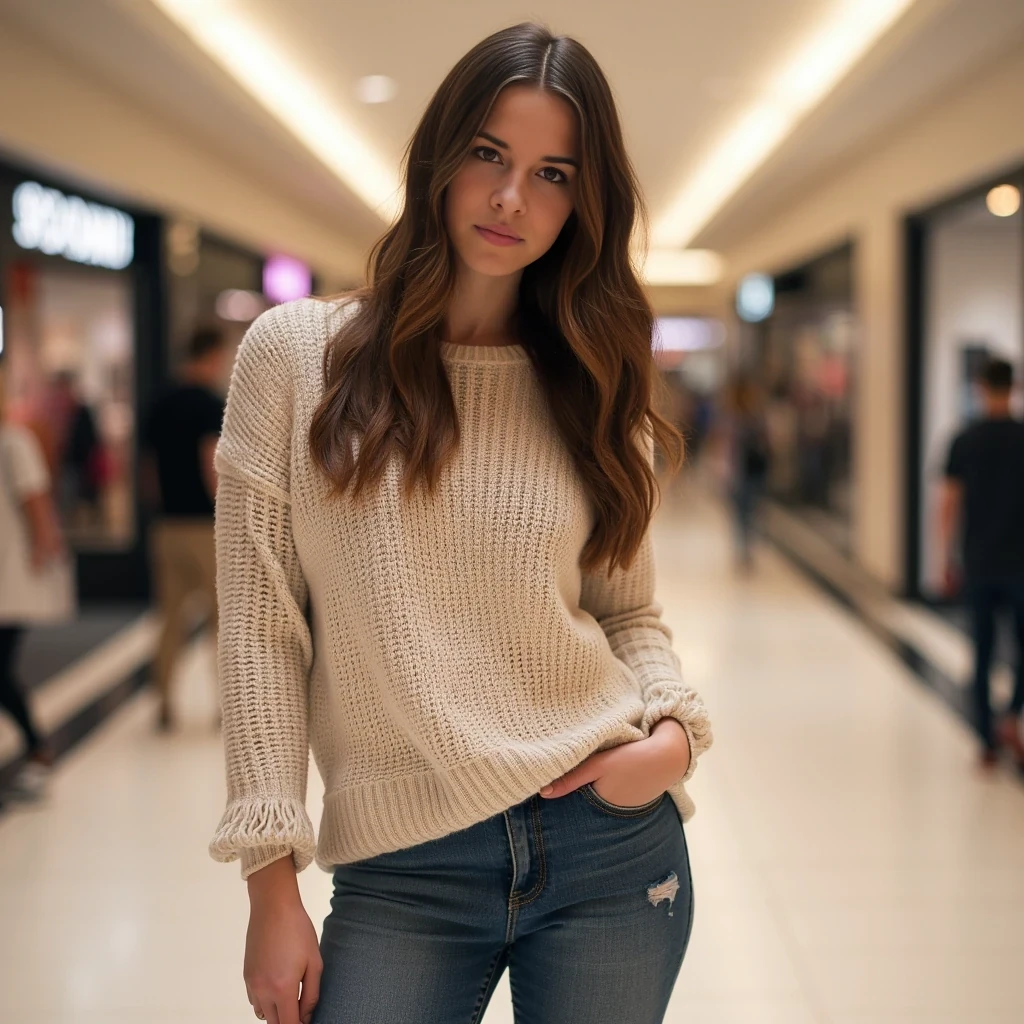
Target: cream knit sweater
x=443 y=657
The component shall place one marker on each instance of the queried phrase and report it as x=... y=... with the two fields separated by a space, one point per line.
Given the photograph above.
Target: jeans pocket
x=616 y=810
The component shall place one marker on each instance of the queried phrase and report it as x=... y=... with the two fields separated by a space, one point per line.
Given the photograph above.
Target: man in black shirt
x=179 y=439
x=984 y=495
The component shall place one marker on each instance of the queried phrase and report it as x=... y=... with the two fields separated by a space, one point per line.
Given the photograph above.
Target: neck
x=482 y=309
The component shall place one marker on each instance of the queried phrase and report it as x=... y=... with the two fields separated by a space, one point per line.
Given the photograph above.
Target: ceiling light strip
x=259 y=65
x=821 y=61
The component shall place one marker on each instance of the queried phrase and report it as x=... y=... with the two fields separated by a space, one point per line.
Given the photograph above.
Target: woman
x=32 y=584
x=434 y=565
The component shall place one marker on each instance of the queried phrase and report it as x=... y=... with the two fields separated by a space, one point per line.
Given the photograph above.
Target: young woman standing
x=434 y=568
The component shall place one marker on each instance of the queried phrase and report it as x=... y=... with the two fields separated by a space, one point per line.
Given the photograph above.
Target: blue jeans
x=588 y=904
x=985 y=598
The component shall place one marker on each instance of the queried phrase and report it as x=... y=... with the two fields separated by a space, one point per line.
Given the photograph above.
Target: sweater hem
x=381 y=817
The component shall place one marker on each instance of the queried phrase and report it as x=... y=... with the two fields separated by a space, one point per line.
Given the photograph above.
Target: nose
x=510 y=197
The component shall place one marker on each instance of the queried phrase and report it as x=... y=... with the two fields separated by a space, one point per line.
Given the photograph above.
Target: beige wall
x=972 y=132
x=57 y=115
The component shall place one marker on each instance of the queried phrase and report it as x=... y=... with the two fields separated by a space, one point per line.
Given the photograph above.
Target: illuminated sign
x=285 y=279
x=68 y=226
x=755 y=298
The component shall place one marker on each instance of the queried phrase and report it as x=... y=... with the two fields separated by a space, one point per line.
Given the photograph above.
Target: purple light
x=285 y=279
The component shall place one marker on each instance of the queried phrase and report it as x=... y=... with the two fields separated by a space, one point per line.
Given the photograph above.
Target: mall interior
x=835 y=265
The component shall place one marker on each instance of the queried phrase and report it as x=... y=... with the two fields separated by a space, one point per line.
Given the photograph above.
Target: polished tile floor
x=851 y=866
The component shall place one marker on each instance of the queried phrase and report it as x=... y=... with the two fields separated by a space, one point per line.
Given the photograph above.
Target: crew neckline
x=484 y=353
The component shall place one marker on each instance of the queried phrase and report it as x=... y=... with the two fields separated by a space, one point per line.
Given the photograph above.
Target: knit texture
x=443 y=656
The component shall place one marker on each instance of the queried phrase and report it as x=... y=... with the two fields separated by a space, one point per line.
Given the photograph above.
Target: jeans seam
x=522 y=901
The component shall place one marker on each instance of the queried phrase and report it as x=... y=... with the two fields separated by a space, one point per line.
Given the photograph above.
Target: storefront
x=99 y=300
x=84 y=347
x=966 y=304
x=798 y=345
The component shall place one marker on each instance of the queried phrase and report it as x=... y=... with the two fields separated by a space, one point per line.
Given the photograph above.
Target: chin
x=492 y=267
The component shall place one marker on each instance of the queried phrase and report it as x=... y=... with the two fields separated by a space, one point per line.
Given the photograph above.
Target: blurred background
x=836 y=262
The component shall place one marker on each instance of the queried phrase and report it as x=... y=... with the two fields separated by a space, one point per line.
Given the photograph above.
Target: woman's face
x=508 y=202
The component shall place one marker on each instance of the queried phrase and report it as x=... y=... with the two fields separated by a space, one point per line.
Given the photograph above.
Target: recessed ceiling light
x=1003 y=200
x=376 y=89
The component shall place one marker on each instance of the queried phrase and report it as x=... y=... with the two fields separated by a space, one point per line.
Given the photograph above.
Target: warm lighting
x=254 y=58
x=376 y=89
x=683 y=267
x=239 y=306
x=1003 y=200
x=809 y=73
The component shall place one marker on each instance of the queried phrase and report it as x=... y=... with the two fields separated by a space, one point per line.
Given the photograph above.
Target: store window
x=802 y=358
x=969 y=285
x=69 y=354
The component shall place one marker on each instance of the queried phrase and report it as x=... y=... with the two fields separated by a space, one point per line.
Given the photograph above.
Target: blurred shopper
x=79 y=454
x=180 y=438
x=748 y=447
x=35 y=584
x=983 y=502
x=434 y=565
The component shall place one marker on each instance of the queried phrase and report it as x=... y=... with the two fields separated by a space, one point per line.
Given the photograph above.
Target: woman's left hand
x=631 y=774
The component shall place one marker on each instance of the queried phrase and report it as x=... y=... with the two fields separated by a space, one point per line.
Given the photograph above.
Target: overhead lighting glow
x=817 y=65
x=255 y=60
x=683 y=266
x=376 y=89
x=1003 y=200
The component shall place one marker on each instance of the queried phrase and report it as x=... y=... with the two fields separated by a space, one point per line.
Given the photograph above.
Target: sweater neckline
x=484 y=353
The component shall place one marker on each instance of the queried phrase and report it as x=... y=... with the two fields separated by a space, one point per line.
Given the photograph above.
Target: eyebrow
x=501 y=144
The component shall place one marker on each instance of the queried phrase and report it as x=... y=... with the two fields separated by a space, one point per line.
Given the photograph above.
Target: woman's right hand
x=281 y=949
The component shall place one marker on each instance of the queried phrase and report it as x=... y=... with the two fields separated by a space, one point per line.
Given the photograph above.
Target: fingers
x=310 y=991
x=274 y=1007
x=286 y=1011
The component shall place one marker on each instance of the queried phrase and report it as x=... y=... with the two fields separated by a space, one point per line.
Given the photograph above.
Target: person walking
x=749 y=455
x=982 y=514
x=35 y=586
x=180 y=481
x=435 y=569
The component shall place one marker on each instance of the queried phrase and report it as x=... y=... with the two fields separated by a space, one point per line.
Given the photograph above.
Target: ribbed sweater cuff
x=690 y=713
x=260 y=830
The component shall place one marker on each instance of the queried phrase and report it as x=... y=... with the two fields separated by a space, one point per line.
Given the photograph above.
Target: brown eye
x=485 y=152
x=562 y=178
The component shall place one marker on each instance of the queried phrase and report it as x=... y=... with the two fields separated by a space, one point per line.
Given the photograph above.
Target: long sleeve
x=623 y=602
x=264 y=643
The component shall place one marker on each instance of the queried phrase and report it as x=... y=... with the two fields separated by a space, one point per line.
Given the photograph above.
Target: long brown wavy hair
x=582 y=313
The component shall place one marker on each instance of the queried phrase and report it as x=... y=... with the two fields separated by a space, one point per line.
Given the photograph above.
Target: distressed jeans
x=588 y=904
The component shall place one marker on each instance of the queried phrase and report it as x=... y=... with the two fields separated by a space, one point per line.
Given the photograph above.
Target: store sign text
x=59 y=225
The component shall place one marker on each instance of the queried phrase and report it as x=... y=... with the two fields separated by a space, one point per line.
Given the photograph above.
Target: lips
x=497 y=234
